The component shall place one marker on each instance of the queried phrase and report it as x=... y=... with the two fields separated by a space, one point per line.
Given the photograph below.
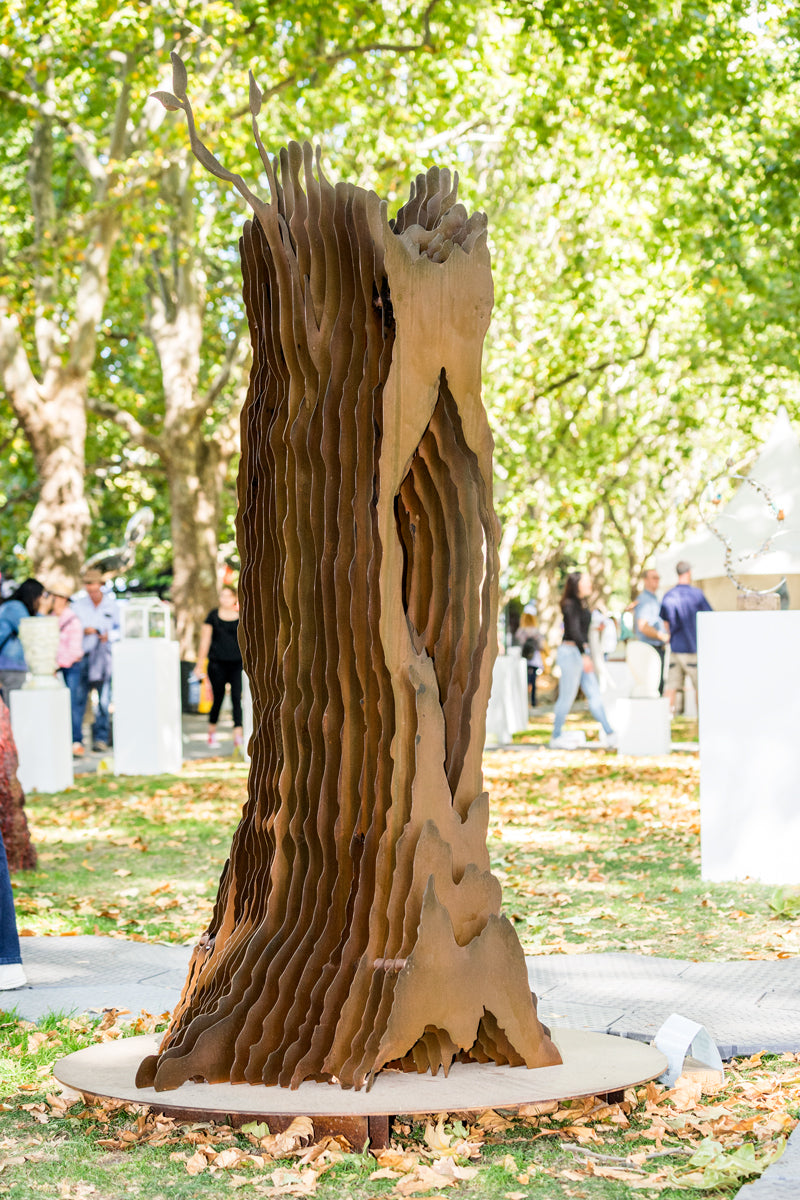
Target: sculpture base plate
x=594 y=1064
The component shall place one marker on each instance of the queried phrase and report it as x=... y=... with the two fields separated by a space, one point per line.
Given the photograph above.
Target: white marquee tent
x=747 y=522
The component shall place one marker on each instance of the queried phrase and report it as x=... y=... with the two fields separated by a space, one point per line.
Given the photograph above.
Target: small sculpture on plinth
x=39 y=637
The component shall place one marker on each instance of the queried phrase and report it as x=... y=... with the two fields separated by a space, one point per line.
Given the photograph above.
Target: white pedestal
x=642 y=725
x=146 y=676
x=247 y=716
x=508 y=704
x=41 y=722
x=749 y=701
x=616 y=683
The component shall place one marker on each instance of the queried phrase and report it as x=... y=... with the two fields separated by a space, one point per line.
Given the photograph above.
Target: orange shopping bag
x=206 y=696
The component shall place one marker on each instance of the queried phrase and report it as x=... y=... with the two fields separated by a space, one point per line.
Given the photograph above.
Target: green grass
x=595 y=852
x=130 y=857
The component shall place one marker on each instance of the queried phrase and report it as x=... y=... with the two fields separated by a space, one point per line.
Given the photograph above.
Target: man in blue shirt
x=647 y=623
x=679 y=610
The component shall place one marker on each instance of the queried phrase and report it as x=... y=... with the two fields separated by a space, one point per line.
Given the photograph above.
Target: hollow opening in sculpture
x=444 y=523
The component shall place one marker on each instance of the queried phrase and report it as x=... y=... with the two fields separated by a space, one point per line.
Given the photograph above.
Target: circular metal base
x=594 y=1064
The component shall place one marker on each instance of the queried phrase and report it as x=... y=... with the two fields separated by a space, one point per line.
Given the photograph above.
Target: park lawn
x=595 y=852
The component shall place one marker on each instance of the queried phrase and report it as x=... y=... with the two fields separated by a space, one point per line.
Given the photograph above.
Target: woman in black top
x=220 y=644
x=575 y=663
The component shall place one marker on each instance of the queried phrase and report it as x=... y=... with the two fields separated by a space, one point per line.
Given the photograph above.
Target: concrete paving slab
x=751 y=974
x=81 y=974
x=596 y=1018
x=603 y=969
x=746 y=1006
x=781 y=1181
x=780 y=998
x=736 y=1029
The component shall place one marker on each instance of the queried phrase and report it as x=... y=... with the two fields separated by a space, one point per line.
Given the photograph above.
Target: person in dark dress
x=219 y=646
x=575 y=663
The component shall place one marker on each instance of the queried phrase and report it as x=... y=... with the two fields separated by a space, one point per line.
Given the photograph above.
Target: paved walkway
x=195 y=743
x=745 y=1006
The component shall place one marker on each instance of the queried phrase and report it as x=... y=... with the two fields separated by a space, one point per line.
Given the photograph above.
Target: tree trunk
x=59 y=525
x=195 y=479
x=51 y=402
x=195 y=463
x=357 y=923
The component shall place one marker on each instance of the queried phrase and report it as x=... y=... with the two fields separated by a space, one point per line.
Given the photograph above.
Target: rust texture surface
x=357 y=923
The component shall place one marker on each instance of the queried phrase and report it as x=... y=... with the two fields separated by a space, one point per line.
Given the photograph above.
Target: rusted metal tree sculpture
x=357 y=923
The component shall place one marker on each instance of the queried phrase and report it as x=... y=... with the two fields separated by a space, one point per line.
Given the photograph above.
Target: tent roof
x=747 y=519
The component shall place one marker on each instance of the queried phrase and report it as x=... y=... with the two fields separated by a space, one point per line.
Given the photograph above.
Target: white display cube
x=508 y=704
x=146 y=675
x=247 y=716
x=642 y=725
x=616 y=683
x=41 y=722
x=749 y=702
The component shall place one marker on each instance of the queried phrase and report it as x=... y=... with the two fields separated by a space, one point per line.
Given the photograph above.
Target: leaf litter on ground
x=594 y=852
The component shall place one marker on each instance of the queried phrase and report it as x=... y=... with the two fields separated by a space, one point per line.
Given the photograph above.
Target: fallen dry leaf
x=539 y=1109
x=491 y=1121
x=197 y=1163
x=402 y=1161
x=450 y=1169
x=299 y=1133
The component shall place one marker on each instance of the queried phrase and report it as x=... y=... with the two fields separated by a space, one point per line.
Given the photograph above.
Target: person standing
x=575 y=663
x=70 y=650
x=219 y=645
x=22 y=603
x=99 y=615
x=11 y=972
x=679 y=610
x=529 y=640
x=648 y=625
x=20 y=851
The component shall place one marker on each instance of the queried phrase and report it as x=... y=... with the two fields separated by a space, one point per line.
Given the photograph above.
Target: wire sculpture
x=741 y=559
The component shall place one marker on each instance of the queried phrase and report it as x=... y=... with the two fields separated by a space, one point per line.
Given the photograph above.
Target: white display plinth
x=616 y=683
x=146 y=675
x=508 y=704
x=41 y=722
x=643 y=726
x=247 y=716
x=749 y=701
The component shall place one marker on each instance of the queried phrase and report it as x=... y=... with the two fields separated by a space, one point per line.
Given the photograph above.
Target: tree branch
x=46 y=109
x=18 y=380
x=598 y=368
x=330 y=60
x=134 y=429
x=236 y=356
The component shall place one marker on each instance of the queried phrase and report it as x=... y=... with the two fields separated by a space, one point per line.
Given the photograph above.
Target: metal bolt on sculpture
x=357 y=924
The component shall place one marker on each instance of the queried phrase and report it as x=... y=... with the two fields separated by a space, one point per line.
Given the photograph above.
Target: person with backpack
x=24 y=602
x=529 y=639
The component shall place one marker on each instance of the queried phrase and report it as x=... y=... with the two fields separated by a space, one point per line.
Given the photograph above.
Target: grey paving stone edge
x=781 y=1181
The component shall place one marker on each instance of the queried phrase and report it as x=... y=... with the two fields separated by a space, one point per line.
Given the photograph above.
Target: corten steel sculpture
x=357 y=923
